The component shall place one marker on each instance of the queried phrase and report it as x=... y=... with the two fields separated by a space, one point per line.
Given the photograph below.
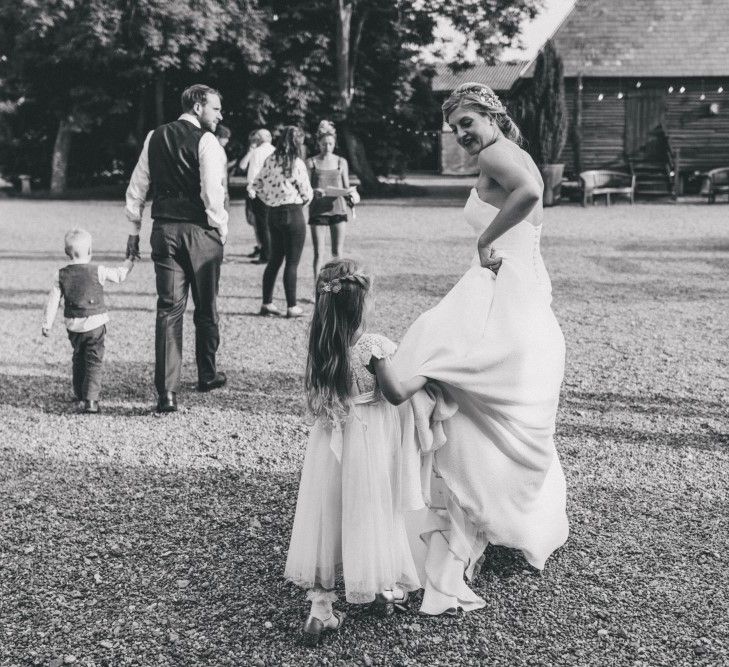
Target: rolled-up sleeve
x=213 y=179
x=138 y=187
x=116 y=275
x=54 y=300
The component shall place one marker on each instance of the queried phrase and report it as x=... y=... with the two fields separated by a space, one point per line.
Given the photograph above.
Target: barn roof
x=647 y=38
x=500 y=76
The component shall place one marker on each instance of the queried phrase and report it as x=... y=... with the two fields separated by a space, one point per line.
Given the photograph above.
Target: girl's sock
x=321 y=603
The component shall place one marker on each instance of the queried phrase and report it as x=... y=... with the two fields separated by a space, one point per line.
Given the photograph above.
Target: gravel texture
x=132 y=539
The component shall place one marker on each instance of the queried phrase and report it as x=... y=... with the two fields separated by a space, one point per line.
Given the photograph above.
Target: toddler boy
x=81 y=286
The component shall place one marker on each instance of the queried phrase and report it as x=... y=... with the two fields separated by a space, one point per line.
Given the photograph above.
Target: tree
x=551 y=122
x=85 y=62
x=339 y=41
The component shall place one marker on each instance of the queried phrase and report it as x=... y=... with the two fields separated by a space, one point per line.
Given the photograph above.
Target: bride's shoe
x=314 y=628
x=388 y=602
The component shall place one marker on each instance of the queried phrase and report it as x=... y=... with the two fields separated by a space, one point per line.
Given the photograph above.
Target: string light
x=409 y=130
x=682 y=89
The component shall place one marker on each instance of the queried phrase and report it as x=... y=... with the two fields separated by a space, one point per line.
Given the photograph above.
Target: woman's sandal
x=387 y=603
x=314 y=628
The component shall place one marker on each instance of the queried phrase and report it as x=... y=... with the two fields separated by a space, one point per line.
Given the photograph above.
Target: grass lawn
x=132 y=539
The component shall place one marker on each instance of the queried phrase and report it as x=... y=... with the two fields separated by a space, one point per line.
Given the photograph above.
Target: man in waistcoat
x=183 y=165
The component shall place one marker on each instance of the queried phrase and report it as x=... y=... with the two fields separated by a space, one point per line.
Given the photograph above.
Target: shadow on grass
x=629 y=291
x=110 y=259
x=696 y=434
x=12 y=305
x=126 y=385
x=184 y=554
x=679 y=406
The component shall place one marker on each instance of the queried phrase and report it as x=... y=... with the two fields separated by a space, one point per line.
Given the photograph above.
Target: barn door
x=644 y=113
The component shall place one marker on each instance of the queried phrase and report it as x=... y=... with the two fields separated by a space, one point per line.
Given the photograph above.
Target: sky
x=534 y=33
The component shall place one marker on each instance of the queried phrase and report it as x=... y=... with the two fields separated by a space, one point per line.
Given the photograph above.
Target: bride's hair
x=482 y=99
x=341 y=288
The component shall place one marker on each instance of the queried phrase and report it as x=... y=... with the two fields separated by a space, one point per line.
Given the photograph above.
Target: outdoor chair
x=718 y=183
x=600 y=182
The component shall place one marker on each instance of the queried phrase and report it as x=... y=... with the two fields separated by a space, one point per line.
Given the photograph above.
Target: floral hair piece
x=334 y=286
x=485 y=96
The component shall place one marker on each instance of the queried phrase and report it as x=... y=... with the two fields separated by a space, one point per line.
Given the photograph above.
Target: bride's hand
x=488 y=259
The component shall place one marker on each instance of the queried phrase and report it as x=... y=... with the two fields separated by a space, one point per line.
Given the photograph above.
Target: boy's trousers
x=88 y=355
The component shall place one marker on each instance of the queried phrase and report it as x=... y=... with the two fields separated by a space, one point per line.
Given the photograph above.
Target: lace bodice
x=363 y=379
x=521 y=242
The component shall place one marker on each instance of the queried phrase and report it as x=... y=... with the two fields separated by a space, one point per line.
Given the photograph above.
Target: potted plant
x=550 y=120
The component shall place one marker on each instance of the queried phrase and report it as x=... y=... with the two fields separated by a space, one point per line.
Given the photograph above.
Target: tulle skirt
x=349 y=516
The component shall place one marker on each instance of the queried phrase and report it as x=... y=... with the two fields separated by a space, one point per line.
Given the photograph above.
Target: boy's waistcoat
x=83 y=294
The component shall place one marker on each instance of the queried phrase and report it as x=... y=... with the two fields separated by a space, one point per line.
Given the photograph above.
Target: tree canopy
x=94 y=76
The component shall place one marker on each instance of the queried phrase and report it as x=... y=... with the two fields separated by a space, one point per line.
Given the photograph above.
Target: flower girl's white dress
x=349 y=513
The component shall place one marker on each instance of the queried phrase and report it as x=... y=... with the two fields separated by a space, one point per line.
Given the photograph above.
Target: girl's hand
x=319 y=192
x=488 y=259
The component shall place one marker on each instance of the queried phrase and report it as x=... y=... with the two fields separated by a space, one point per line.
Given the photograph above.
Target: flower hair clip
x=334 y=286
x=486 y=97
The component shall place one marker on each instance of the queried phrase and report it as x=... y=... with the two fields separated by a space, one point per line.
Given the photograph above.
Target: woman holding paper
x=329 y=176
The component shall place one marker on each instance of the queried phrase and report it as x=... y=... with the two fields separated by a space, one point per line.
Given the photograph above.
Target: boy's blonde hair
x=76 y=241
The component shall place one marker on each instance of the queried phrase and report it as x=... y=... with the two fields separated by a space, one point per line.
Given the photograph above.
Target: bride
x=497 y=352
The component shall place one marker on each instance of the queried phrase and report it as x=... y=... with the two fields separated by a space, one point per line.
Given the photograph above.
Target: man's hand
x=46 y=332
x=133 y=247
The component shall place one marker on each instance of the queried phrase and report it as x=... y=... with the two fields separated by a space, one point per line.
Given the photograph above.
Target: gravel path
x=132 y=539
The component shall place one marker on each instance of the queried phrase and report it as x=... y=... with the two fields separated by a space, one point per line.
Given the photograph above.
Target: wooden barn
x=647 y=85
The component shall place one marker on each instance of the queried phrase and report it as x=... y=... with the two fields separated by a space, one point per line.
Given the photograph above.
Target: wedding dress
x=497 y=352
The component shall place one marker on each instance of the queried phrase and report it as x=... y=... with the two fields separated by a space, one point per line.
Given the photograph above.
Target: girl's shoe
x=294 y=311
x=389 y=602
x=269 y=309
x=314 y=628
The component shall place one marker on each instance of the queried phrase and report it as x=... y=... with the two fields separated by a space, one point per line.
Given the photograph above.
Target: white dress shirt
x=213 y=177
x=256 y=158
x=82 y=324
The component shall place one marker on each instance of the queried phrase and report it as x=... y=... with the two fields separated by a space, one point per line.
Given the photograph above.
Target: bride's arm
x=498 y=163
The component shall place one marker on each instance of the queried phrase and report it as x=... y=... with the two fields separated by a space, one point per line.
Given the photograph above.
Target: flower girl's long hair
x=341 y=289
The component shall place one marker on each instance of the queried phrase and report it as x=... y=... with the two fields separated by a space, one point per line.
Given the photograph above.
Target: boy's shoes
x=255 y=253
x=269 y=309
x=314 y=628
x=91 y=407
x=167 y=402
x=294 y=311
x=218 y=381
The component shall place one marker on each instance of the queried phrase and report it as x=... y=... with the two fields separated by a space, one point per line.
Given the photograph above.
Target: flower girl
x=348 y=514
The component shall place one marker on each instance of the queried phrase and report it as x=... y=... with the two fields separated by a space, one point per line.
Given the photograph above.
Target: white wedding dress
x=496 y=349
